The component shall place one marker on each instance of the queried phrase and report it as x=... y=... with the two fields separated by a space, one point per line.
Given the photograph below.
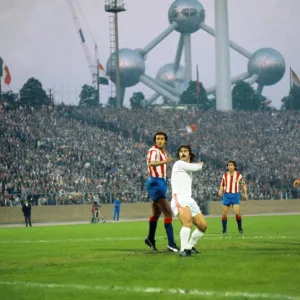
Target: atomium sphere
x=188 y=14
x=268 y=64
x=132 y=66
x=167 y=75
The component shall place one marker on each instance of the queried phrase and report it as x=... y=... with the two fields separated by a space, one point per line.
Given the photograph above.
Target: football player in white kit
x=183 y=204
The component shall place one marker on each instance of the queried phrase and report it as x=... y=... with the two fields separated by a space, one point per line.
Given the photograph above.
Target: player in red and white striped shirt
x=156 y=186
x=155 y=154
x=229 y=191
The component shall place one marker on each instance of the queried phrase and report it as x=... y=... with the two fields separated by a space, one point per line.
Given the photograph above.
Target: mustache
x=183 y=156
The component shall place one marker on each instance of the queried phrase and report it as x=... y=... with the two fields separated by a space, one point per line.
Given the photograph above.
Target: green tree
x=112 y=102
x=33 y=94
x=190 y=96
x=244 y=97
x=88 y=96
x=136 y=101
x=291 y=102
x=10 y=98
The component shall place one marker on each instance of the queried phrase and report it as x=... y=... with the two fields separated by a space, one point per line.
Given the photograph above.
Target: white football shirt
x=181 y=177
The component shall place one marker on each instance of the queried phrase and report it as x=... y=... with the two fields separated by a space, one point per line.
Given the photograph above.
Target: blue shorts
x=156 y=188
x=230 y=199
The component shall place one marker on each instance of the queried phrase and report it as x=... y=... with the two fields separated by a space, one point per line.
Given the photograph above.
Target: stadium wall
x=68 y=213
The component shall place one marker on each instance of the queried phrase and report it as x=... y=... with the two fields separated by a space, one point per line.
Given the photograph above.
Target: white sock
x=196 y=236
x=184 y=237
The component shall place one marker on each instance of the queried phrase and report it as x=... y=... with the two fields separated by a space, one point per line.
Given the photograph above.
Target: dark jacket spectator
x=26 y=209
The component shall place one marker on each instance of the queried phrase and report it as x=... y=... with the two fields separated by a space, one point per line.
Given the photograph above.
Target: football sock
x=152 y=228
x=195 y=237
x=239 y=221
x=184 y=238
x=169 y=231
x=224 y=224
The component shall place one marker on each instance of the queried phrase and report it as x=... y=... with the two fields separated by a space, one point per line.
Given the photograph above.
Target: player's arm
x=221 y=191
x=297 y=182
x=190 y=167
x=222 y=187
x=152 y=162
x=244 y=187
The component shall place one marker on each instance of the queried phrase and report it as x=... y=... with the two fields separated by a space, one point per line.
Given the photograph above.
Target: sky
x=39 y=39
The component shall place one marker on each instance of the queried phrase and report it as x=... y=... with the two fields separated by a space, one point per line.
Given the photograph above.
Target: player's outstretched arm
x=190 y=167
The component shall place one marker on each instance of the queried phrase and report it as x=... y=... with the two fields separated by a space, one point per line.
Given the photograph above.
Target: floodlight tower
x=115 y=7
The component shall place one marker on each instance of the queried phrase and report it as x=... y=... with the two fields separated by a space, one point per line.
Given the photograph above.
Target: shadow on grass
x=134 y=251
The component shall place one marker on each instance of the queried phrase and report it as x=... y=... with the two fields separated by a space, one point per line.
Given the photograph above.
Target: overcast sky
x=38 y=39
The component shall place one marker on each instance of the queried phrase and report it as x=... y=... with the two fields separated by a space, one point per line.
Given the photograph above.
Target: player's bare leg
x=165 y=208
x=150 y=240
x=185 y=217
x=102 y=217
x=198 y=233
x=225 y=210
x=238 y=217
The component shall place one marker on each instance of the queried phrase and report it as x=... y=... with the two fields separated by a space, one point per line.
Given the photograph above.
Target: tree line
x=244 y=97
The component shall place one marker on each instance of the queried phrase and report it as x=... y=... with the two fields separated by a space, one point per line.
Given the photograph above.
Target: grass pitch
x=110 y=261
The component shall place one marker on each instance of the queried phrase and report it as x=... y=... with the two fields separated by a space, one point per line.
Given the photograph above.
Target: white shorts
x=183 y=201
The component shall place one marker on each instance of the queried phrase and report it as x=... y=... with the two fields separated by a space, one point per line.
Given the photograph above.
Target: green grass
x=109 y=261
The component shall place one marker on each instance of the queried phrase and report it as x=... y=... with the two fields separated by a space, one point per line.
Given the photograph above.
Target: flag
x=294 y=82
x=7 y=77
x=197 y=82
x=268 y=101
x=1 y=66
x=102 y=76
x=191 y=128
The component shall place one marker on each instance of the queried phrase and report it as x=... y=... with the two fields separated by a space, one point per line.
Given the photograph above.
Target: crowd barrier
x=82 y=212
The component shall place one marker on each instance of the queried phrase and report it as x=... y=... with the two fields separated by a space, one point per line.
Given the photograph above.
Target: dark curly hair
x=231 y=162
x=160 y=133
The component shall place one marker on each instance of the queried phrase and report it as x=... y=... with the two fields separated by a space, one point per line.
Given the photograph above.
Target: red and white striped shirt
x=231 y=183
x=155 y=154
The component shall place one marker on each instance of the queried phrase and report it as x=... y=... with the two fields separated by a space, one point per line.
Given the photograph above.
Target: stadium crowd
x=70 y=154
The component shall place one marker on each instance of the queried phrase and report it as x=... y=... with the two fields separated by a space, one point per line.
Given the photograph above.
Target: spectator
x=26 y=209
x=69 y=152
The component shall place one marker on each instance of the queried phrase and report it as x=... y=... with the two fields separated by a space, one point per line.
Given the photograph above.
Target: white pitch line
x=151 y=290
x=116 y=239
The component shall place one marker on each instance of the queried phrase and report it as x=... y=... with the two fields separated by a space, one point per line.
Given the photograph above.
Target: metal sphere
x=167 y=75
x=268 y=64
x=188 y=14
x=132 y=66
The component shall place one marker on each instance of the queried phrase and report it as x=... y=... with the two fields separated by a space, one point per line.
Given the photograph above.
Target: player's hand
x=168 y=160
x=296 y=182
x=245 y=197
x=220 y=193
x=201 y=163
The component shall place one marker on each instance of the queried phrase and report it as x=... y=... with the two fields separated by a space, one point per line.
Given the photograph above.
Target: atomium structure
x=266 y=66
